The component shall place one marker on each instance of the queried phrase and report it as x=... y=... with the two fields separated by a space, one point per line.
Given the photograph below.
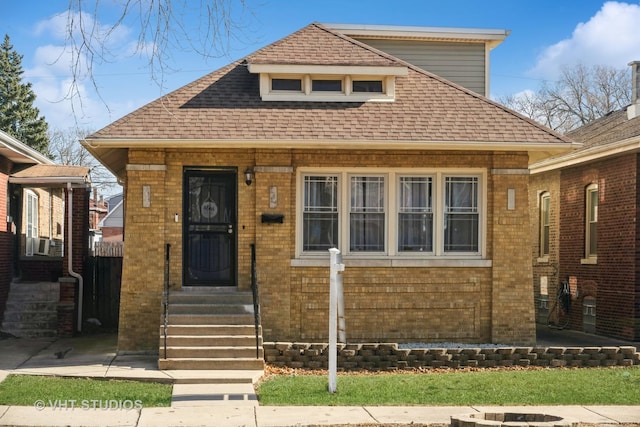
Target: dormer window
x=367 y=86
x=324 y=85
x=327 y=83
x=286 y=84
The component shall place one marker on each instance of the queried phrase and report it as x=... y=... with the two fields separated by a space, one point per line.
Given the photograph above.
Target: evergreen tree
x=18 y=116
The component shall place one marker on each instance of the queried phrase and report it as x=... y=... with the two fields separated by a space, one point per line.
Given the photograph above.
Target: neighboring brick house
x=32 y=194
x=584 y=217
x=422 y=184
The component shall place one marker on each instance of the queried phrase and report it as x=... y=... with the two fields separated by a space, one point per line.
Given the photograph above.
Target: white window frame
x=391 y=255
x=31 y=221
x=545 y=196
x=590 y=258
x=345 y=95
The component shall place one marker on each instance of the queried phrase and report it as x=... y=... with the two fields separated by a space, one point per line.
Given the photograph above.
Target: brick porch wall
x=490 y=304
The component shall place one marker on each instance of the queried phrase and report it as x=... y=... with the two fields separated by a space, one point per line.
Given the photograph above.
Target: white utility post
x=336 y=308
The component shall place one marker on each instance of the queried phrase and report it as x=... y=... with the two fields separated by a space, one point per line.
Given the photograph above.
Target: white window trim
x=392 y=257
x=30 y=239
x=589 y=258
x=346 y=95
x=544 y=195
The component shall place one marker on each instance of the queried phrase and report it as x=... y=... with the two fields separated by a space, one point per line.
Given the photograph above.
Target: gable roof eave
x=100 y=147
x=587 y=155
x=19 y=152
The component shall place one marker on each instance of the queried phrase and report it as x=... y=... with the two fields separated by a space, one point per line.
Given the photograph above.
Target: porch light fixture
x=248 y=176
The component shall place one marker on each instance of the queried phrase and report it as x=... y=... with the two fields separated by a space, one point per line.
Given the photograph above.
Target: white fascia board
x=587 y=155
x=365 y=70
x=23 y=150
x=50 y=181
x=552 y=148
x=491 y=36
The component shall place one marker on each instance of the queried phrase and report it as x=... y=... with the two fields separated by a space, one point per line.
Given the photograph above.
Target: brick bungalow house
x=584 y=218
x=321 y=140
x=33 y=195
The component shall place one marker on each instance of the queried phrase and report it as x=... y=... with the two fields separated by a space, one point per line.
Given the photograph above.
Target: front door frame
x=232 y=174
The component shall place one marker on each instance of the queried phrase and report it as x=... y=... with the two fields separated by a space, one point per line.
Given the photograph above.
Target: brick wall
x=6 y=236
x=545 y=269
x=612 y=281
x=468 y=304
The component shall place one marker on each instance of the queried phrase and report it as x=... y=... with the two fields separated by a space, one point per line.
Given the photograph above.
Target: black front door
x=209 y=240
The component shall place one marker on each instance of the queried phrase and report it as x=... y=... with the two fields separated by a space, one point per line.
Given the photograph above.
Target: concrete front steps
x=210 y=330
x=32 y=309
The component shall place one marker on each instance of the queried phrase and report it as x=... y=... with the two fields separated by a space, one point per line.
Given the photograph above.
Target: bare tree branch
x=161 y=27
x=581 y=95
x=66 y=150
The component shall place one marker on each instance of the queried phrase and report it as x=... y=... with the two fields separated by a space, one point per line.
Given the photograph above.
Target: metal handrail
x=256 y=298
x=165 y=296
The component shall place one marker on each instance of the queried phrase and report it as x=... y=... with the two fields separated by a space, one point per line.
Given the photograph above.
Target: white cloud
x=610 y=37
x=64 y=100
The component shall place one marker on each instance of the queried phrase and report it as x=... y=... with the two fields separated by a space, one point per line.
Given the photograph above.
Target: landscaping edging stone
x=387 y=356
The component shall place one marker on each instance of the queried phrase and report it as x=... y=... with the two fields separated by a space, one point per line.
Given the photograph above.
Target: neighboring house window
x=31 y=226
x=545 y=222
x=591 y=228
x=434 y=214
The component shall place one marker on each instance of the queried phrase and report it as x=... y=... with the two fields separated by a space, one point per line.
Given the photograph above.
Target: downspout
x=70 y=253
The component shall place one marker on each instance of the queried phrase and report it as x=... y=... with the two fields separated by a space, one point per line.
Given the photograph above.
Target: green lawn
x=614 y=386
x=28 y=390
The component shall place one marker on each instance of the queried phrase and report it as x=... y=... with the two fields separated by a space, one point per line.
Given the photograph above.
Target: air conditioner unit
x=43 y=247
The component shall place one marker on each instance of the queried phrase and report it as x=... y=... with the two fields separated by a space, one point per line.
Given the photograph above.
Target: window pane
x=367 y=217
x=286 y=84
x=544 y=224
x=592 y=221
x=320 y=213
x=367 y=86
x=326 y=85
x=415 y=217
x=461 y=215
x=593 y=239
x=461 y=194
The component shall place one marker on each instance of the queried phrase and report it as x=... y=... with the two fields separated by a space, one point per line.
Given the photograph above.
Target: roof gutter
x=330 y=143
x=55 y=181
x=9 y=142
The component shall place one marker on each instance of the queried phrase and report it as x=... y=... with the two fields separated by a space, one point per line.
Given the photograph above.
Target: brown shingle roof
x=226 y=105
x=52 y=171
x=611 y=128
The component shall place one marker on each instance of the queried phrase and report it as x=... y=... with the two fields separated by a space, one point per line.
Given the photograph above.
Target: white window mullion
x=392 y=215
x=344 y=212
x=438 y=215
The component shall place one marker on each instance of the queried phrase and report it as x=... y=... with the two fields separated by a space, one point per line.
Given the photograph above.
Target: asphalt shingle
x=226 y=105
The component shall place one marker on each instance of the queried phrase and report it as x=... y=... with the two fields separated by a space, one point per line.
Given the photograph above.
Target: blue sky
x=545 y=35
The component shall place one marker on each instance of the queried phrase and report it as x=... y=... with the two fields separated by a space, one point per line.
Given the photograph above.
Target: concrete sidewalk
x=263 y=416
x=95 y=356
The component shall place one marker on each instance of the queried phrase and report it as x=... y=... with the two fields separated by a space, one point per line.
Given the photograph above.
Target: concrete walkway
x=232 y=403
